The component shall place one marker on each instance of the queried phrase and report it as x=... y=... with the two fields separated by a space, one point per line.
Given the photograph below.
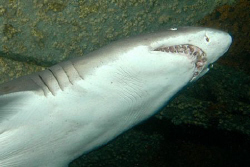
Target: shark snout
x=225 y=40
x=218 y=46
x=228 y=41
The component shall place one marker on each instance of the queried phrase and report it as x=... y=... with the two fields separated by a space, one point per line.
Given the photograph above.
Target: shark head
x=157 y=65
x=164 y=60
x=203 y=46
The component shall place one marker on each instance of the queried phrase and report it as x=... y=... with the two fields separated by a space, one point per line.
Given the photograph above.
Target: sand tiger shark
x=49 y=118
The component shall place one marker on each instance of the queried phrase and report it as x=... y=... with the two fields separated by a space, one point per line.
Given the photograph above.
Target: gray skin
x=51 y=117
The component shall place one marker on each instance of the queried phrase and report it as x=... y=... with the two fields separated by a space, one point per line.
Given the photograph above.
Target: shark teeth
x=198 y=56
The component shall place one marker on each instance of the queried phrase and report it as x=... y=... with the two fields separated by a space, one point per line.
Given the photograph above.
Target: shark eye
x=207 y=39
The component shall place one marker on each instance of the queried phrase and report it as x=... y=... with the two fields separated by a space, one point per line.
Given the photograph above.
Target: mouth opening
x=196 y=54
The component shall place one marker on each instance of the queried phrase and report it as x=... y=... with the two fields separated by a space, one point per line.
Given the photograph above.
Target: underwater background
x=206 y=124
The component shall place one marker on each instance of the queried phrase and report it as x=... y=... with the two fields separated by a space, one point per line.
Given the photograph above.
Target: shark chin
x=51 y=117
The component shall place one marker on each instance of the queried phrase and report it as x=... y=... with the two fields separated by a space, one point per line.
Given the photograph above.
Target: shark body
x=49 y=118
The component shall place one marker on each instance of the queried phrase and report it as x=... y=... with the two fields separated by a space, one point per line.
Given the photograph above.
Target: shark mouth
x=196 y=54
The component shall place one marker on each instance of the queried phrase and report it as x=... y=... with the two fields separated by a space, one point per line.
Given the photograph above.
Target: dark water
x=162 y=144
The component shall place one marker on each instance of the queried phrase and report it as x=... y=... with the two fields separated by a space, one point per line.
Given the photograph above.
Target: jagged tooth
x=199 y=63
x=203 y=55
x=178 y=48
x=198 y=54
x=204 y=59
x=199 y=57
x=184 y=47
x=182 y=50
x=191 y=48
x=166 y=49
x=199 y=50
x=171 y=48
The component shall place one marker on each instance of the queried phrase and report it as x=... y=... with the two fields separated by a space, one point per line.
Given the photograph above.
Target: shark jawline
x=196 y=54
